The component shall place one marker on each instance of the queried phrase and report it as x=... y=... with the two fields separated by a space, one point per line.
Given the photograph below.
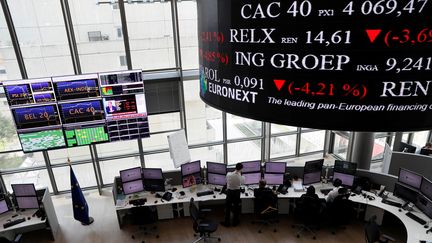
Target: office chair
x=17 y=239
x=307 y=211
x=145 y=218
x=201 y=226
x=373 y=234
x=265 y=208
x=340 y=212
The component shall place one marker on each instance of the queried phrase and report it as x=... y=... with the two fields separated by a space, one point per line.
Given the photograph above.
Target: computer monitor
x=275 y=167
x=345 y=167
x=152 y=173
x=251 y=167
x=404 y=192
x=156 y=185
x=216 y=179
x=410 y=178
x=426 y=188
x=3 y=206
x=131 y=174
x=191 y=168
x=20 y=190
x=252 y=178
x=27 y=202
x=274 y=179
x=424 y=204
x=425 y=151
x=311 y=177
x=192 y=179
x=407 y=148
x=347 y=179
x=216 y=168
x=131 y=187
x=313 y=166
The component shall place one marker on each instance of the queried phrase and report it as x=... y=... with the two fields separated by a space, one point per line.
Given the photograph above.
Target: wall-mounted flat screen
x=42 y=140
x=76 y=87
x=36 y=116
x=83 y=111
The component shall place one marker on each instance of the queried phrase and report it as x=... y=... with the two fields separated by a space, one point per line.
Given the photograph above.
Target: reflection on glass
x=84 y=173
x=151 y=35
x=244 y=151
x=112 y=168
x=282 y=146
x=340 y=146
x=99 y=37
x=276 y=128
x=187 y=15
x=42 y=37
x=204 y=123
x=76 y=154
x=312 y=141
x=38 y=177
x=15 y=160
x=240 y=127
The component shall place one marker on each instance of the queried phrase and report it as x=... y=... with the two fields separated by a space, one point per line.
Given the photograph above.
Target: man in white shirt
x=337 y=183
x=232 y=203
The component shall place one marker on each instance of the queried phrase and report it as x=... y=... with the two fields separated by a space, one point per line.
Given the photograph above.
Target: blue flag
x=79 y=204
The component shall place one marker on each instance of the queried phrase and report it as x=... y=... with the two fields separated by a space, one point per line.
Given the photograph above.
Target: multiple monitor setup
x=216 y=173
x=138 y=179
x=273 y=172
x=68 y=111
x=416 y=189
x=343 y=170
x=25 y=197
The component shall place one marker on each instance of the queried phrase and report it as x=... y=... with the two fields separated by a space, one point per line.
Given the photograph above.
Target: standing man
x=232 y=203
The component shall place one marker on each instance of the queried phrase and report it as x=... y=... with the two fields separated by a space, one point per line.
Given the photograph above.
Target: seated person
x=265 y=196
x=337 y=183
x=310 y=192
x=311 y=198
x=428 y=145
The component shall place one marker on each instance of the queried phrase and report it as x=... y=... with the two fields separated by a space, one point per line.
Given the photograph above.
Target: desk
x=50 y=222
x=415 y=231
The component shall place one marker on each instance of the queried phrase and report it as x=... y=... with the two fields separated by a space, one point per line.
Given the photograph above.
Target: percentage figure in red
x=356 y=90
x=408 y=36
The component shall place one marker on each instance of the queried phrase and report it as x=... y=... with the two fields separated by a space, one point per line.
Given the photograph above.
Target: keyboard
x=416 y=218
x=391 y=203
x=13 y=222
x=205 y=193
x=325 y=191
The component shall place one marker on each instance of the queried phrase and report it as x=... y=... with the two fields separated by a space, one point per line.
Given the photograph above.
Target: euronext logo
x=203 y=82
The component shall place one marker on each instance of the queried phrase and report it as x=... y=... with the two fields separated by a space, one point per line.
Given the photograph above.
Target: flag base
x=91 y=220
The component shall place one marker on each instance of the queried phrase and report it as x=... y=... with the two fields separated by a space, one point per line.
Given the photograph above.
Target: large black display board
x=341 y=65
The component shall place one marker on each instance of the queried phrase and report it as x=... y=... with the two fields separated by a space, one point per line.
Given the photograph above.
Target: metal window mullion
x=14 y=39
x=95 y=169
x=225 y=137
x=298 y=141
x=50 y=172
x=265 y=142
x=141 y=152
x=125 y=34
x=71 y=36
x=177 y=52
x=326 y=148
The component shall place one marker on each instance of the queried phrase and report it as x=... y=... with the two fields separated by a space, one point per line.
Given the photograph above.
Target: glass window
x=8 y=64
x=188 y=26
x=281 y=146
x=39 y=178
x=312 y=141
x=211 y=154
x=420 y=138
x=161 y=160
x=378 y=148
x=164 y=122
x=276 y=128
x=204 y=123
x=150 y=35
x=340 y=146
x=244 y=151
x=117 y=148
x=405 y=137
x=75 y=154
x=240 y=127
x=42 y=37
x=112 y=168
x=8 y=135
x=15 y=160
x=156 y=141
x=83 y=172
x=105 y=51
